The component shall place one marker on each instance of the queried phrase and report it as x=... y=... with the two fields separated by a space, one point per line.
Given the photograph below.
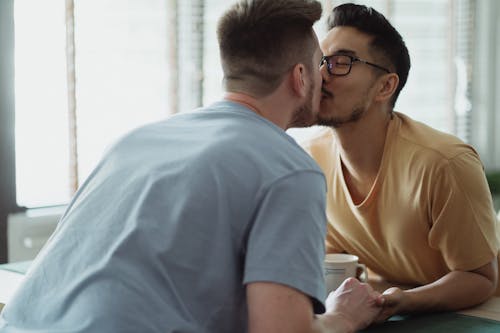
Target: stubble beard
x=356 y=114
x=304 y=115
x=337 y=122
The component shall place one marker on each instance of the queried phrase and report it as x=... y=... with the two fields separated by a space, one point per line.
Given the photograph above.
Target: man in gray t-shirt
x=167 y=233
x=209 y=221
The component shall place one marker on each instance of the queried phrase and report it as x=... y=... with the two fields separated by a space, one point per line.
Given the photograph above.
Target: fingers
x=349 y=282
x=361 y=290
x=393 y=299
x=380 y=300
x=375 y=295
x=382 y=317
x=390 y=300
x=356 y=301
x=392 y=296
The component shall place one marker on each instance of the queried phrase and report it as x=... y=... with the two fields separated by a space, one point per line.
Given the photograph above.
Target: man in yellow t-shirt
x=410 y=201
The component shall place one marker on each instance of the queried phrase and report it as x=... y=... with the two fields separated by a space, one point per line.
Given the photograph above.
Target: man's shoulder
x=416 y=138
x=317 y=142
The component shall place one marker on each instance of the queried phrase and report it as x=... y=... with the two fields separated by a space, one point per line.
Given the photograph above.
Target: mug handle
x=361 y=272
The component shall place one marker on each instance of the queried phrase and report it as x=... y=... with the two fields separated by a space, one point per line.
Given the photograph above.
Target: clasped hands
x=361 y=306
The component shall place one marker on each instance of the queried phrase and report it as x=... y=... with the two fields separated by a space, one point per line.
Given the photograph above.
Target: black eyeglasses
x=341 y=64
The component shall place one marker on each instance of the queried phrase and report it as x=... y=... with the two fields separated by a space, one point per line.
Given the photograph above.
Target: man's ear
x=298 y=80
x=388 y=83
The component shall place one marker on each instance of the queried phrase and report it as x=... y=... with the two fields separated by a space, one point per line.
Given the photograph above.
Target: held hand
x=394 y=301
x=357 y=303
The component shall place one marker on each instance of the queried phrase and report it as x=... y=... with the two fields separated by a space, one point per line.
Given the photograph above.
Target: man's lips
x=326 y=93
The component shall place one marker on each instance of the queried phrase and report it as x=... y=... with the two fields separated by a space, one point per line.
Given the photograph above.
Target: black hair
x=387 y=41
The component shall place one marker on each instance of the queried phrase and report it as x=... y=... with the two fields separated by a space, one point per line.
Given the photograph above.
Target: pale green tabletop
x=448 y=322
x=18 y=267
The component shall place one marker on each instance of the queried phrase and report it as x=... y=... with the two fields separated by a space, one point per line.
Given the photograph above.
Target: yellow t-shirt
x=428 y=212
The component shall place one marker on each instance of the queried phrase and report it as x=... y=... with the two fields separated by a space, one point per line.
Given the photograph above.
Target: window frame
x=8 y=202
x=485 y=122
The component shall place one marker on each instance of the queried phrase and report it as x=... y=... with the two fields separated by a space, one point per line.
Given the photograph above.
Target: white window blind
x=485 y=133
x=42 y=176
x=190 y=41
x=122 y=81
x=121 y=71
x=212 y=78
x=138 y=61
x=464 y=26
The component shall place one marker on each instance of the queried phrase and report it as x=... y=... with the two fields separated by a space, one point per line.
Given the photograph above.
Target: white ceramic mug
x=340 y=266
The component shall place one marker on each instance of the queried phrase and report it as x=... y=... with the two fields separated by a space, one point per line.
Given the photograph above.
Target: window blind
x=190 y=30
x=464 y=15
x=99 y=66
x=132 y=62
x=71 y=83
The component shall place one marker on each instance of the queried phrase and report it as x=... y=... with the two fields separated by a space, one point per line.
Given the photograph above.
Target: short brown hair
x=260 y=40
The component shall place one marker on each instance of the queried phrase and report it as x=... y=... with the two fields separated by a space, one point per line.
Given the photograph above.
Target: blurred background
x=75 y=75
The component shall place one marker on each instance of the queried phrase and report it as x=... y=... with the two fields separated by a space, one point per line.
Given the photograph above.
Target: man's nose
x=324 y=73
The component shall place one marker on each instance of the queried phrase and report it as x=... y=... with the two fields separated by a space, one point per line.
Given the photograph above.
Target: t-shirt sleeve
x=286 y=240
x=464 y=227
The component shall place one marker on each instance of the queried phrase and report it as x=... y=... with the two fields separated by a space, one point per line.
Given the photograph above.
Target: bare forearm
x=454 y=291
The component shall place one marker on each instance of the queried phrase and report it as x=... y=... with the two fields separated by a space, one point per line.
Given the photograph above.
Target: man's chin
x=339 y=122
x=328 y=123
x=305 y=123
x=323 y=120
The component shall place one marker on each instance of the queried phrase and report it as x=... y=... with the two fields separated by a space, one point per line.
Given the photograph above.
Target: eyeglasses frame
x=324 y=59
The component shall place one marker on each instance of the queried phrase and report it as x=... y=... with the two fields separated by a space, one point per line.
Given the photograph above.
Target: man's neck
x=361 y=144
x=272 y=107
x=244 y=99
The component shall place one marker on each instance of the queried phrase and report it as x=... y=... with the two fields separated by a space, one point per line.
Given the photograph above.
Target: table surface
x=436 y=323
x=489 y=309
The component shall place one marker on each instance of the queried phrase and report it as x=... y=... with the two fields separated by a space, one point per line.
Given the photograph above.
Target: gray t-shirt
x=173 y=223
